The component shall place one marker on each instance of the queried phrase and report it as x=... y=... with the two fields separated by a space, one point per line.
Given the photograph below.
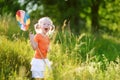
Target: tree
x=99 y=13
x=109 y=15
x=62 y=10
x=95 y=15
x=9 y=6
x=70 y=11
x=90 y=8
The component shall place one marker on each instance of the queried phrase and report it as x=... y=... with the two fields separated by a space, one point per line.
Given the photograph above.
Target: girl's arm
x=32 y=42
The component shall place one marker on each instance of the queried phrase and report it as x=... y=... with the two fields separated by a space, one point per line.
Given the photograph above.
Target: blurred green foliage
x=84 y=56
x=82 y=15
x=75 y=57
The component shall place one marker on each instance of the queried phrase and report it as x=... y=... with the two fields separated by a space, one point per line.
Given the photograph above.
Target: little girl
x=42 y=42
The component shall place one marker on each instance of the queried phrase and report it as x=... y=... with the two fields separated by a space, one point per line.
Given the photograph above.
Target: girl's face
x=45 y=26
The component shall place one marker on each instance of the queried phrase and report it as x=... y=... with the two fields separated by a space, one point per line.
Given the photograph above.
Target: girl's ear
x=51 y=31
x=52 y=28
x=37 y=27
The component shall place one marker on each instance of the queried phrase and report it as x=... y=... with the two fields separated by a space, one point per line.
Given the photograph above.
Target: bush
x=13 y=56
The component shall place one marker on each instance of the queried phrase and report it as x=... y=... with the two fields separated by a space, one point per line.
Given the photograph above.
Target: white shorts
x=36 y=74
x=38 y=67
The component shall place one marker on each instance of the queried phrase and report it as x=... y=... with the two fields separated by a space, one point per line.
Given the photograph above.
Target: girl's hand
x=32 y=42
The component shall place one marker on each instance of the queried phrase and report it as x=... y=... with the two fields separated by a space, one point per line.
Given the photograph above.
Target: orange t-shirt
x=43 y=45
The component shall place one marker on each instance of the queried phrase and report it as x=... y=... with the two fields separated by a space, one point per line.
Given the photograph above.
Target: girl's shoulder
x=38 y=35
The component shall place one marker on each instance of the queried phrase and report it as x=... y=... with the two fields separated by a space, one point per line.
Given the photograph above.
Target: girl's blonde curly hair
x=43 y=19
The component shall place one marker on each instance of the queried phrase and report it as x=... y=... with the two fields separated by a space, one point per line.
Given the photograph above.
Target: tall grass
x=82 y=57
x=13 y=56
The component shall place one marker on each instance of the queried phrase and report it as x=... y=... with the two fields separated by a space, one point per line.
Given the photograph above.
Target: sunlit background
x=84 y=46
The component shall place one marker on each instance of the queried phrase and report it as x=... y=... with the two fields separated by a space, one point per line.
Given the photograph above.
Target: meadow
x=74 y=57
